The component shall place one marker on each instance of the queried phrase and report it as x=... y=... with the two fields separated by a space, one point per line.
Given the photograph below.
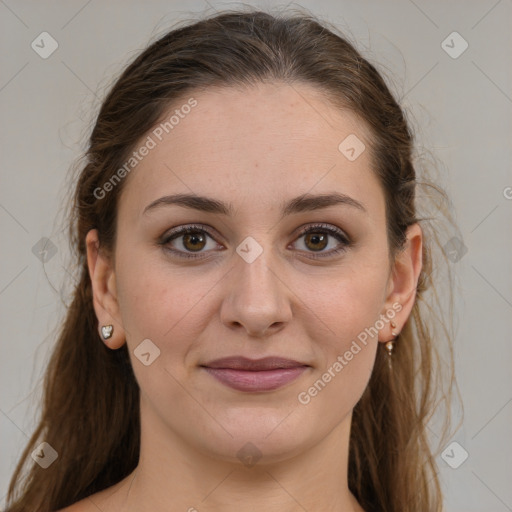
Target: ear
x=104 y=292
x=403 y=282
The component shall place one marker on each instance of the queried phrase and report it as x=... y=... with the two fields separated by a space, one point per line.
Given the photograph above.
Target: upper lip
x=243 y=363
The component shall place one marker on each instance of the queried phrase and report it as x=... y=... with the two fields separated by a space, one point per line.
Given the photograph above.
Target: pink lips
x=264 y=374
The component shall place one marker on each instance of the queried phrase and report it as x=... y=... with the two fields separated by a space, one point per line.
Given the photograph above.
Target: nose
x=257 y=298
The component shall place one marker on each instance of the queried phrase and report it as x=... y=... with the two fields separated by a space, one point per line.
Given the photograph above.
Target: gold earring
x=106 y=331
x=390 y=344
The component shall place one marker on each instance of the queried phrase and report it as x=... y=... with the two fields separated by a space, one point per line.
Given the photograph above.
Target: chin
x=250 y=450
x=258 y=436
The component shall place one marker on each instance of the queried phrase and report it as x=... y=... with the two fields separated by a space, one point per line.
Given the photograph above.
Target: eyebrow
x=302 y=203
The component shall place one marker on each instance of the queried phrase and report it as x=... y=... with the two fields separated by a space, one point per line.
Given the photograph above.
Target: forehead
x=257 y=144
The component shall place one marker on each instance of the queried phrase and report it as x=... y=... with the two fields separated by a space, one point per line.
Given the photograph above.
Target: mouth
x=255 y=375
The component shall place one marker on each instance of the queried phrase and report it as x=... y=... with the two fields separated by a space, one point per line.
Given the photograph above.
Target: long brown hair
x=90 y=410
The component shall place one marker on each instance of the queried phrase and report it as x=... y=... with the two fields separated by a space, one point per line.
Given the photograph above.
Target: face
x=256 y=280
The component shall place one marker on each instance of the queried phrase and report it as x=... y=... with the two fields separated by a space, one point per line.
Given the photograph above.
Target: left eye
x=317 y=239
x=194 y=240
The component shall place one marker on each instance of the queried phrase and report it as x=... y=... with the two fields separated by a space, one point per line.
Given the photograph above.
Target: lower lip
x=265 y=380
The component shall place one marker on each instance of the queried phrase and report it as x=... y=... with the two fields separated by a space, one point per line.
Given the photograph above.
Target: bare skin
x=256 y=149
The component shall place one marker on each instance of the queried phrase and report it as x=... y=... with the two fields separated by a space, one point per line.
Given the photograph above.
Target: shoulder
x=89 y=504
x=84 y=505
x=106 y=500
x=76 y=507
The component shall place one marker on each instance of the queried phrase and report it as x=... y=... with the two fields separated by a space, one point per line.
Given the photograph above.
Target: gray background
x=461 y=108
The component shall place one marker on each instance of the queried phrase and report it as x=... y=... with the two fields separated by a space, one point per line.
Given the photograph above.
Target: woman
x=249 y=327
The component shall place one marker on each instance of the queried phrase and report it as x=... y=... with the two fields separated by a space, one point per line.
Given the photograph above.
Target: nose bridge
x=257 y=297
x=256 y=278
x=256 y=269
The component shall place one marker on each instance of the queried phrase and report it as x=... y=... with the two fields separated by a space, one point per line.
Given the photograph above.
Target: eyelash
x=316 y=228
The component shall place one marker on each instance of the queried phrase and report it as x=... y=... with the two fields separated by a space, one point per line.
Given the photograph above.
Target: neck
x=172 y=475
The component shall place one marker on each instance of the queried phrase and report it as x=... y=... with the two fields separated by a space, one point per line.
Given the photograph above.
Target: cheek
x=161 y=301
x=352 y=302
x=349 y=313
x=157 y=305
x=148 y=303
x=151 y=308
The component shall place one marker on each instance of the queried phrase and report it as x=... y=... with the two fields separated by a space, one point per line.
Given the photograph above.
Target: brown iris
x=193 y=239
x=316 y=238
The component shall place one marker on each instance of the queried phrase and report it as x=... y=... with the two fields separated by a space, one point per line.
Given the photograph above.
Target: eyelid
x=185 y=228
x=331 y=229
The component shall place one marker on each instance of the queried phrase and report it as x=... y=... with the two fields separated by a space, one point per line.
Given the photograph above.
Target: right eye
x=193 y=239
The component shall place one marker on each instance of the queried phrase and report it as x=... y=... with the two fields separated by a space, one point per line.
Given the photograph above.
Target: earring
x=106 y=331
x=390 y=344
